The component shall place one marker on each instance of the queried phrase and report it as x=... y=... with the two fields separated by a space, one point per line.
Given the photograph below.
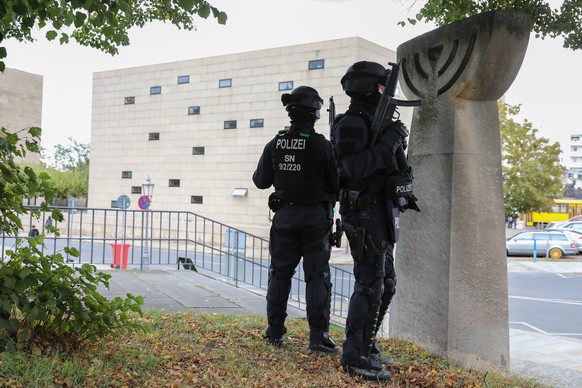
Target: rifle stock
x=331 y=110
x=387 y=105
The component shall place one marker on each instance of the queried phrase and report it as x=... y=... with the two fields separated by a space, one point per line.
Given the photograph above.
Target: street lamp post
x=148 y=191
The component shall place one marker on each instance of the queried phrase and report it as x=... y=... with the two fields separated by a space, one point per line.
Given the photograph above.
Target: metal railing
x=179 y=240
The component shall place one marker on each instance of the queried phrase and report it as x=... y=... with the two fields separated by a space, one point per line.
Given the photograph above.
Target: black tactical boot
x=274 y=335
x=376 y=355
x=320 y=342
x=366 y=368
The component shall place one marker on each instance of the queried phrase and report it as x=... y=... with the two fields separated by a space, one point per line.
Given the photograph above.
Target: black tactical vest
x=296 y=169
x=355 y=138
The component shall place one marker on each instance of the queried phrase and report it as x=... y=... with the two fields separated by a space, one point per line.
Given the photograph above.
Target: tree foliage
x=44 y=303
x=532 y=174
x=68 y=167
x=99 y=24
x=571 y=191
x=70 y=157
x=20 y=182
x=546 y=22
x=73 y=183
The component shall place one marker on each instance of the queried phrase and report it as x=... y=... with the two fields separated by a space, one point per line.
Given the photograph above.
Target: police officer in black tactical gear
x=370 y=213
x=299 y=163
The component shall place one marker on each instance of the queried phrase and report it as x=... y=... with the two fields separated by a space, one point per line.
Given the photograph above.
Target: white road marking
x=548 y=300
x=530 y=326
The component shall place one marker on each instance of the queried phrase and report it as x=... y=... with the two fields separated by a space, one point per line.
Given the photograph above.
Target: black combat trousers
x=375 y=281
x=300 y=231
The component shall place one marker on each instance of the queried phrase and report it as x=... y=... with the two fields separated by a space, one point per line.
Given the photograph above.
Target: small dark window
x=136 y=189
x=174 y=183
x=126 y=175
x=183 y=79
x=256 y=123
x=193 y=110
x=154 y=136
x=225 y=83
x=114 y=204
x=316 y=64
x=156 y=90
x=129 y=100
x=196 y=199
x=230 y=124
x=197 y=150
x=286 y=85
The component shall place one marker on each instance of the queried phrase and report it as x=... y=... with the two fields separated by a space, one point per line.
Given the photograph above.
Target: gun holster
x=336 y=237
x=275 y=203
x=356 y=240
x=352 y=201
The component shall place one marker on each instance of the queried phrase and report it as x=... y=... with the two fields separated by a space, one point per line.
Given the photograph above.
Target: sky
x=548 y=86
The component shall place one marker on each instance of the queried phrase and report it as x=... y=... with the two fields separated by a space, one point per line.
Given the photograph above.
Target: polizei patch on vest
x=403 y=189
x=290 y=144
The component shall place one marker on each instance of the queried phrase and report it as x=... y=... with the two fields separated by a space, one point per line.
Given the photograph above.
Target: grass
x=215 y=350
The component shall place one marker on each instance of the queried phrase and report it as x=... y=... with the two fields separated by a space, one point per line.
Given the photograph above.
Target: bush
x=44 y=303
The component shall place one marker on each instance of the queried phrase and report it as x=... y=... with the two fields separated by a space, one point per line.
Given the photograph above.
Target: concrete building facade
x=21 y=103
x=573 y=160
x=198 y=127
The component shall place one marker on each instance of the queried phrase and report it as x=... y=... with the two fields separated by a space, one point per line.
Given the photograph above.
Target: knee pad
x=280 y=274
x=373 y=294
x=313 y=276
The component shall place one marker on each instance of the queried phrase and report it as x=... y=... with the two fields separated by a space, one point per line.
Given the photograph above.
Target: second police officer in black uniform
x=369 y=213
x=299 y=163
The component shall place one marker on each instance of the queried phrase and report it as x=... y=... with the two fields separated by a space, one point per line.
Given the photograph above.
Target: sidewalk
x=547 y=359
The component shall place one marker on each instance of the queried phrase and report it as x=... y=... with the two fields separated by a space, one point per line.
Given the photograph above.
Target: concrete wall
x=21 y=102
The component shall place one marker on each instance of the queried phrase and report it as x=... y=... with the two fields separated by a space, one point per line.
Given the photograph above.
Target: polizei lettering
x=403 y=189
x=290 y=144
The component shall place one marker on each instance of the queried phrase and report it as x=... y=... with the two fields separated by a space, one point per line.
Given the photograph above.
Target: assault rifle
x=335 y=237
x=331 y=111
x=385 y=112
x=387 y=105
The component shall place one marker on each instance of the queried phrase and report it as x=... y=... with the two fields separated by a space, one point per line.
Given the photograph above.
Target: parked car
x=553 y=244
x=574 y=235
x=576 y=218
x=572 y=225
x=556 y=224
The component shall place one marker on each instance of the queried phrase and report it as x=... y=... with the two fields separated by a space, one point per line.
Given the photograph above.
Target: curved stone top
x=476 y=58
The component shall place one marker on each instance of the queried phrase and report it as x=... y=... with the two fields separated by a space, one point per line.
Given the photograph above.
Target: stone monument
x=451 y=261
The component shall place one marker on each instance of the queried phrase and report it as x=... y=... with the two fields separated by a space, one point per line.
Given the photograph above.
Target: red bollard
x=120 y=254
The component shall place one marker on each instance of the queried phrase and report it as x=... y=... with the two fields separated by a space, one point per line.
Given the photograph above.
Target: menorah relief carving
x=452 y=273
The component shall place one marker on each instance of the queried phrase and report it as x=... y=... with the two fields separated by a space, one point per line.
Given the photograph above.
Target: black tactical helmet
x=303 y=96
x=363 y=77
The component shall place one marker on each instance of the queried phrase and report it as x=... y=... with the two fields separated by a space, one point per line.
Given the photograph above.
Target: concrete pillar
x=451 y=264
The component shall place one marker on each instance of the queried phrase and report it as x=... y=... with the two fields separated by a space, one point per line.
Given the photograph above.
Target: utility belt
x=389 y=187
x=276 y=202
x=356 y=201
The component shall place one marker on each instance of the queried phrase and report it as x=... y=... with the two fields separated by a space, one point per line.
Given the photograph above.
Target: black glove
x=398 y=127
x=394 y=136
x=408 y=202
